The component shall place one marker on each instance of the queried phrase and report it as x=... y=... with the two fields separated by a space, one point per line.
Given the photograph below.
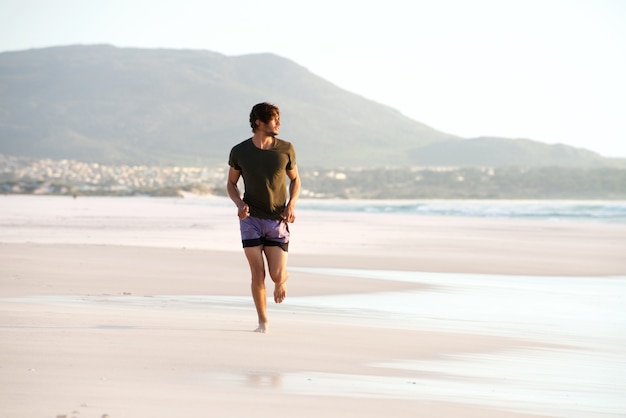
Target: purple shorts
x=268 y=232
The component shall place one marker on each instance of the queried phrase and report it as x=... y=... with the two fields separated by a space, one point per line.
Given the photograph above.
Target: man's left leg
x=277 y=266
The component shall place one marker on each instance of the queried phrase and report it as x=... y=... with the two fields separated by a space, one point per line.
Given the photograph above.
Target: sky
x=549 y=70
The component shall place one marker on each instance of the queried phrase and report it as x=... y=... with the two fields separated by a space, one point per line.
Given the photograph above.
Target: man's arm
x=243 y=211
x=289 y=215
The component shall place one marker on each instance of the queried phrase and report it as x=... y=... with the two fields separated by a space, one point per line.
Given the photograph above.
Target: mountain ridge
x=189 y=107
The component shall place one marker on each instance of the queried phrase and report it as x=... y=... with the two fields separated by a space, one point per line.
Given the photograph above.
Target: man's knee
x=279 y=276
x=258 y=276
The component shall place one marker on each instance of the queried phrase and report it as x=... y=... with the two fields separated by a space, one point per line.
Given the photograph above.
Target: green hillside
x=186 y=107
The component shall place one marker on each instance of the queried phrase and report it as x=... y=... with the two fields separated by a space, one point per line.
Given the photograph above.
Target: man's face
x=270 y=128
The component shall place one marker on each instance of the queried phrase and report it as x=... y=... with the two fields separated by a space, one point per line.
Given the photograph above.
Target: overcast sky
x=548 y=70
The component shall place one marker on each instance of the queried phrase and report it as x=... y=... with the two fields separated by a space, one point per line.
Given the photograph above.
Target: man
x=265 y=162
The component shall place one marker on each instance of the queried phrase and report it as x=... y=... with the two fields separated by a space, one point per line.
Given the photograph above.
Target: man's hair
x=263 y=112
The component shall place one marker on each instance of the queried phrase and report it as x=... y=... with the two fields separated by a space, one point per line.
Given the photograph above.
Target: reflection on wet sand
x=264 y=380
x=575 y=370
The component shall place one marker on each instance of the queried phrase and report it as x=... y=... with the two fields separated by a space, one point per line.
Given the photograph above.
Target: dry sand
x=94 y=329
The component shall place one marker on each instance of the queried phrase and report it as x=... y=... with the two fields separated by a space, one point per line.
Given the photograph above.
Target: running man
x=265 y=162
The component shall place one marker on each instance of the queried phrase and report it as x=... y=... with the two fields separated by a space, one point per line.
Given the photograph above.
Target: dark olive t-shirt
x=264 y=176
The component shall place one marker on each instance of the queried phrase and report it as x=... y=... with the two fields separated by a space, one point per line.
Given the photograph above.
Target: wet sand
x=139 y=314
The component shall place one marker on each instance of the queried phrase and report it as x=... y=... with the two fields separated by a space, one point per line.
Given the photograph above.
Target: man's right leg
x=257 y=270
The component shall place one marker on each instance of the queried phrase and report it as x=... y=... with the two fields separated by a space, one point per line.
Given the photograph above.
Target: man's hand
x=289 y=214
x=243 y=211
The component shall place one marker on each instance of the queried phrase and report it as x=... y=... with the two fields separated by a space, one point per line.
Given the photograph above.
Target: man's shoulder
x=243 y=144
x=283 y=144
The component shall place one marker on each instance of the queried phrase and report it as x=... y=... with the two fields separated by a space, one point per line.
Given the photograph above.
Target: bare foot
x=262 y=328
x=280 y=292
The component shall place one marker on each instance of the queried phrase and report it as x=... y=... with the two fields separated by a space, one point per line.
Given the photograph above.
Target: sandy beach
x=141 y=308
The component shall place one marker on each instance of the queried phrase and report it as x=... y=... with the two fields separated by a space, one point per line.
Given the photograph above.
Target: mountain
x=498 y=152
x=187 y=107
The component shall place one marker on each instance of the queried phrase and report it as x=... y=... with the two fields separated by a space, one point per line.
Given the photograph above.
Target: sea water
x=601 y=211
x=604 y=211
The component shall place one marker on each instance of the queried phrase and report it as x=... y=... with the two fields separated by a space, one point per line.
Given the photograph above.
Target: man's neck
x=263 y=141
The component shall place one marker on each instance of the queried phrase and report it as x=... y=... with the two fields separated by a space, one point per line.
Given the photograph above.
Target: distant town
x=76 y=178
x=69 y=177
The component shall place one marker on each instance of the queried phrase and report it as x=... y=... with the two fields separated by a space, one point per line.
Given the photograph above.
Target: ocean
x=583 y=210
x=602 y=211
